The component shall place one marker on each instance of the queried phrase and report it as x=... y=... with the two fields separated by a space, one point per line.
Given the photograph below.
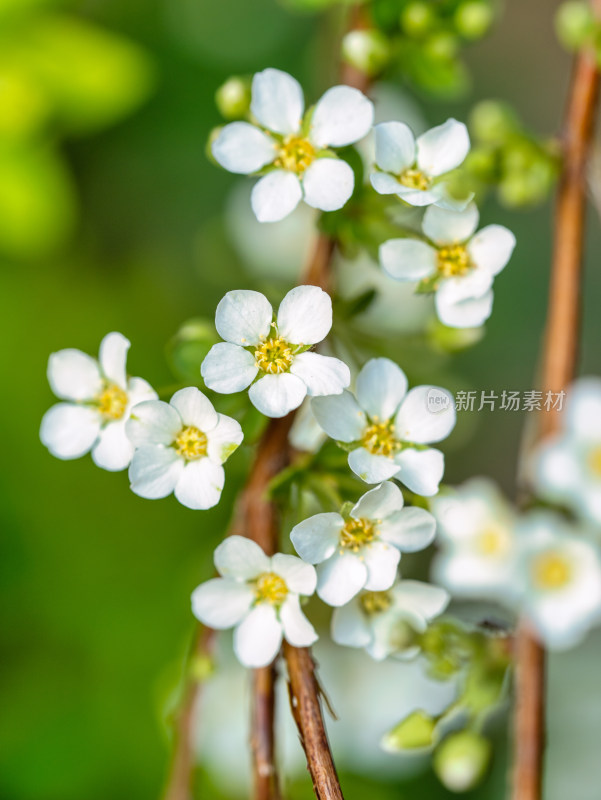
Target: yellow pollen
x=356 y=534
x=112 y=401
x=191 y=443
x=594 y=461
x=453 y=260
x=491 y=541
x=271 y=588
x=551 y=571
x=375 y=602
x=274 y=356
x=295 y=154
x=414 y=179
x=379 y=439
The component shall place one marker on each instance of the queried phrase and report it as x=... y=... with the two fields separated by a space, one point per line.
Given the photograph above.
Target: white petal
x=153 y=422
x=474 y=284
x=221 y=602
x=275 y=196
x=422 y=598
x=395 y=147
x=315 y=539
x=583 y=409
x=557 y=470
x=381 y=386
x=470 y=313
x=277 y=101
x=421 y=470
x=350 y=626
x=154 y=471
x=443 y=148
x=410 y=530
x=305 y=315
x=114 y=450
x=298 y=631
x=381 y=560
x=113 y=357
x=491 y=248
x=300 y=578
x=323 y=375
x=371 y=468
x=243 y=317
x=427 y=414
x=242 y=148
x=74 y=375
x=224 y=439
x=195 y=408
x=407 y=259
x=258 y=638
x=228 y=368
x=419 y=197
x=340 y=416
x=277 y=395
x=450 y=227
x=340 y=578
x=342 y=116
x=384 y=183
x=69 y=431
x=199 y=485
x=379 y=503
x=328 y=183
x=139 y=390
x=241 y=558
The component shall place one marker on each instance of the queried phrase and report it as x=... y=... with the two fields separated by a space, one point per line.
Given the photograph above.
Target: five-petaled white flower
x=567 y=466
x=476 y=536
x=296 y=150
x=259 y=596
x=363 y=550
x=180 y=448
x=274 y=350
x=388 y=623
x=459 y=264
x=414 y=169
x=386 y=427
x=558 y=581
x=99 y=399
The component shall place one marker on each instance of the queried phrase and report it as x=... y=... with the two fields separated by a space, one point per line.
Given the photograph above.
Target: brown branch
x=559 y=360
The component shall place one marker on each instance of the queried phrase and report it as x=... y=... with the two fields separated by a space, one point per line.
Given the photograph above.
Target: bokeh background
x=111 y=218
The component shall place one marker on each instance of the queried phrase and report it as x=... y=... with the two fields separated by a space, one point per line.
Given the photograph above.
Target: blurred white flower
x=259 y=597
x=297 y=150
x=387 y=428
x=306 y=433
x=362 y=551
x=459 y=264
x=180 y=448
x=99 y=399
x=275 y=351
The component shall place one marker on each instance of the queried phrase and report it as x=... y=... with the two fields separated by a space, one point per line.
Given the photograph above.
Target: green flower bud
x=233 y=98
x=461 y=760
x=416 y=19
x=574 y=24
x=453 y=340
x=442 y=46
x=367 y=50
x=473 y=19
x=415 y=732
x=188 y=348
x=492 y=122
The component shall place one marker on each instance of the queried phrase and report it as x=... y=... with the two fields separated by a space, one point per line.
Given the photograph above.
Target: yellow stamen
x=274 y=356
x=491 y=541
x=356 y=534
x=414 y=179
x=295 y=154
x=270 y=588
x=112 y=401
x=453 y=260
x=191 y=443
x=379 y=439
x=375 y=602
x=551 y=571
x=594 y=461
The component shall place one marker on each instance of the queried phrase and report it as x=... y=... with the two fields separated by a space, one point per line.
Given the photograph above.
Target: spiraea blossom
x=258 y=596
x=457 y=264
x=414 y=169
x=388 y=429
x=180 y=448
x=567 y=466
x=388 y=623
x=363 y=550
x=98 y=399
x=272 y=354
x=477 y=557
x=293 y=149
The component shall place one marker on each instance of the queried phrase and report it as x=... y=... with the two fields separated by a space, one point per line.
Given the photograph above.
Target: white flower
x=558 y=583
x=413 y=169
x=362 y=551
x=274 y=351
x=477 y=542
x=386 y=427
x=387 y=623
x=259 y=596
x=567 y=468
x=180 y=447
x=297 y=150
x=459 y=264
x=99 y=399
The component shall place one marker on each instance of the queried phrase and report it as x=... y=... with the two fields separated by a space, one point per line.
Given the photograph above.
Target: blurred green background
x=111 y=219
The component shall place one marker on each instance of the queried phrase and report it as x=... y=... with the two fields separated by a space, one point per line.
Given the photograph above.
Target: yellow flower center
x=491 y=541
x=274 y=356
x=551 y=571
x=295 y=154
x=375 y=602
x=414 y=179
x=594 y=461
x=112 y=401
x=270 y=588
x=379 y=439
x=453 y=260
x=356 y=534
x=191 y=443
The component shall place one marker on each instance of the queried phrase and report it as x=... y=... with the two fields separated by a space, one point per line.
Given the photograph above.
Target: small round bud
x=367 y=50
x=492 y=122
x=452 y=340
x=574 y=24
x=442 y=46
x=233 y=98
x=473 y=19
x=416 y=19
x=415 y=732
x=461 y=760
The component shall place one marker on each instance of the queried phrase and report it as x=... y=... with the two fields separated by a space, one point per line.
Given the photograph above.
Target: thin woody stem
x=559 y=361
